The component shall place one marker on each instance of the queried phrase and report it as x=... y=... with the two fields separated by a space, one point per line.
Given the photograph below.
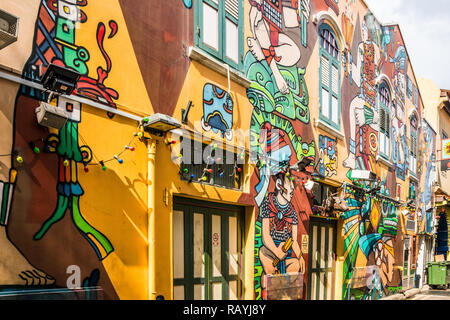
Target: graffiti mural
x=328 y=161
x=363 y=113
x=428 y=178
x=217 y=111
x=54 y=42
x=279 y=96
x=370 y=228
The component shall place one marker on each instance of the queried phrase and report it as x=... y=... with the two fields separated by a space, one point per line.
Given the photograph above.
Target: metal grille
x=225 y=172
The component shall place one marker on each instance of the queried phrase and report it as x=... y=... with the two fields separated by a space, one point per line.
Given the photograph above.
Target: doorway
x=322 y=259
x=207 y=250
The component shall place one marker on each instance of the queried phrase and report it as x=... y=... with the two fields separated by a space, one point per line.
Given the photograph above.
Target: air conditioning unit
x=8 y=29
x=51 y=116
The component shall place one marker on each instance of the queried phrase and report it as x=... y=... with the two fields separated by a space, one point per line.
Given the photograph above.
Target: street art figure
x=280 y=251
x=267 y=18
x=363 y=110
x=370 y=227
x=217 y=110
x=328 y=163
x=279 y=229
x=54 y=42
x=67 y=148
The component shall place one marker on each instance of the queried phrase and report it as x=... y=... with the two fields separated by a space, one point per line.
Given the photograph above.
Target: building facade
x=302 y=168
x=437 y=110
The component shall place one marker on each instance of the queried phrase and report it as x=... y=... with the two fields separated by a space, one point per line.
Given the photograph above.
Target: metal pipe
x=151 y=153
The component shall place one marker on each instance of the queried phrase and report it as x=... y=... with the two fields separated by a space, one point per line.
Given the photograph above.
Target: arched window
x=330 y=72
x=413 y=145
x=384 y=121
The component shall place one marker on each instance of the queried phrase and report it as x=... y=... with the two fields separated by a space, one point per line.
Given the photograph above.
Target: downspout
x=151 y=154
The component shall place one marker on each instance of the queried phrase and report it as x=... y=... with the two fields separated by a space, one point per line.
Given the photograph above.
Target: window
x=329 y=77
x=413 y=145
x=219 y=30
x=385 y=122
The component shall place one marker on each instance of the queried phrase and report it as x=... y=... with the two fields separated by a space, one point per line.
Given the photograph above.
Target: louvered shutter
x=232 y=8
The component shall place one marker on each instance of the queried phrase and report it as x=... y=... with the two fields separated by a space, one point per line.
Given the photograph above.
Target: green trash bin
x=437 y=274
x=448 y=273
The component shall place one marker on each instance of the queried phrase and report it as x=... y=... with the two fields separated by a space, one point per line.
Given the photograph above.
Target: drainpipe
x=151 y=154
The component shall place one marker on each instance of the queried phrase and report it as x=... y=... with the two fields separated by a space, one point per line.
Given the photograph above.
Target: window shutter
x=388 y=124
x=232 y=7
x=325 y=72
x=382 y=120
x=335 y=80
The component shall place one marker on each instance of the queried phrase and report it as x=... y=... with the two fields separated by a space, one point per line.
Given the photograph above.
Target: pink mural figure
x=269 y=43
x=363 y=107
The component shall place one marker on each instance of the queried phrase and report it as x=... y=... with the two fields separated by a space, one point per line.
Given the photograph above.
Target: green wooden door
x=207 y=251
x=321 y=261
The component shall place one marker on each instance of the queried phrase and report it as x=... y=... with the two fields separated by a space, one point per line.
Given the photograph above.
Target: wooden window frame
x=220 y=54
x=333 y=61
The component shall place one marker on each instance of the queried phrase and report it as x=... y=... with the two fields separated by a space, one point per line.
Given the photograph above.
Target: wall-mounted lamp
x=9 y=29
x=160 y=123
x=60 y=80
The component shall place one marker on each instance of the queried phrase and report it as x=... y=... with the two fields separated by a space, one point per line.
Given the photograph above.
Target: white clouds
x=424 y=26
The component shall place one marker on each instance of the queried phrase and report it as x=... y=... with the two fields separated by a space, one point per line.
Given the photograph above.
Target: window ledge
x=411 y=177
x=218 y=66
x=384 y=161
x=329 y=129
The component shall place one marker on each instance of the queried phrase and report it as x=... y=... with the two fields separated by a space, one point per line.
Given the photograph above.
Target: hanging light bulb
x=186 y=170
x=103 y=165
x=140 y=134
x=220 y=173
x=19 y=159
x=130 y=148
x=86 y=169
x=35 y=148
x=118 y=159
x=145 y=120
x=204 y=178
x=66 y=163
x=171 y=142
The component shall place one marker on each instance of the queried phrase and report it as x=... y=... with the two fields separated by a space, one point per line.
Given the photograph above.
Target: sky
x=426 y=32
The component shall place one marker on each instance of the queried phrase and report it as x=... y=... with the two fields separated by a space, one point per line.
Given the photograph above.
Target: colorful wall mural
x=50 y=222
x=372 y=56
x=280 y=120
x=61 y=202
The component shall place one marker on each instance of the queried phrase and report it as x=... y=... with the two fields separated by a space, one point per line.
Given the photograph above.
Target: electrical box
x=51 y=116
x=8 y=29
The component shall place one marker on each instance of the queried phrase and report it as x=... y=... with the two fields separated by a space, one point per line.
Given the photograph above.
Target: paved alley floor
x=433 y=295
